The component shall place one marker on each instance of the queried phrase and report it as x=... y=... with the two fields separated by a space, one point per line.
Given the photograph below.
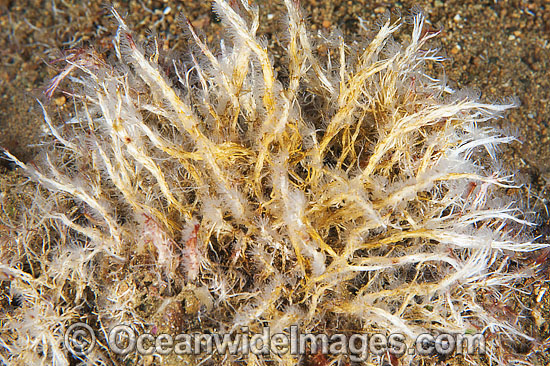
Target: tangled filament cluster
x=353 y=191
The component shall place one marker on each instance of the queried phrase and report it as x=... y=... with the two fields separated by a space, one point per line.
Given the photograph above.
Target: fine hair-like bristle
x=358 y=190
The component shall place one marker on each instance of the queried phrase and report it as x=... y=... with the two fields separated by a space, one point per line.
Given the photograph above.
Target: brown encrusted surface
x=501 y=48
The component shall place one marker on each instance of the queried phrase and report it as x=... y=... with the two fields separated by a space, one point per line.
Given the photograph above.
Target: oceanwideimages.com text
x=123 y=340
